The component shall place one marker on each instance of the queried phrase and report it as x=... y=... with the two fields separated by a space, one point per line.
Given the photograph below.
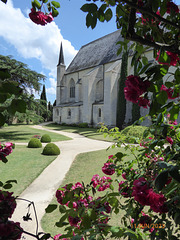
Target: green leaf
x=17 y=105
x=2 y=119
x=155 y=5
x=108 y=14
x=177 y=75
x=177 y=218
x=51 y=208
x=54 y=12
x=45 y=1
x=174 y=172
x=86 y=222
x=45 y=236
x=4 y=74
x=62 y=209
x=55 y=4
x=7 y=186
x=4 y=1
x=36 y=4
x=62 y=219
x=3 y=97
x=89 y=7
x=161 y=180
x=162 y=97
x=174 y=112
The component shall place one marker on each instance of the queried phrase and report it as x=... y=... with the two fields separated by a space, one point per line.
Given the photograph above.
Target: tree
x=43 y=101
x=20 y=73
x=121 y=102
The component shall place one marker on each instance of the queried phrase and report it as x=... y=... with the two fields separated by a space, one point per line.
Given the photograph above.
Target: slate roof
x=98 y=52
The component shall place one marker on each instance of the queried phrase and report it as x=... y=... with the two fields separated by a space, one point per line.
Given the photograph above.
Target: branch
x=131 y=35
x=149 y=12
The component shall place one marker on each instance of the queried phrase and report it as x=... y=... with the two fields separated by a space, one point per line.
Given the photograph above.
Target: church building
x=87 y=90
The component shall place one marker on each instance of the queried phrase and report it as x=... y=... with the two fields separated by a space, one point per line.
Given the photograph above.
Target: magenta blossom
x=170 y=140
x=135 y=87
x=40 y=18
x=108 y=168
x=172 y=7
x=173 y=57
x=7 y=204
x=169 y=92
x=102 y=183
x=74 y=221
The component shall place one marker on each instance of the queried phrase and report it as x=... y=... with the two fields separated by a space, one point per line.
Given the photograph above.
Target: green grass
x=23 y=133
x=83 y=168
x=86 y=132
x=24 y=165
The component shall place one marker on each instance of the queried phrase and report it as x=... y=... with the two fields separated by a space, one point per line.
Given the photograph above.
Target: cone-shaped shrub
x=51 y=149
x=45 y=138
x=34 y=143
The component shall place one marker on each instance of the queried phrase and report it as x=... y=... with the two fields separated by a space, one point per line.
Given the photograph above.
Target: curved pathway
x=42 y=190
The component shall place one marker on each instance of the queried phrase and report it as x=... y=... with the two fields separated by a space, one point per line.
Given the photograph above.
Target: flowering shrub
x=135 y=88
x=5 y=150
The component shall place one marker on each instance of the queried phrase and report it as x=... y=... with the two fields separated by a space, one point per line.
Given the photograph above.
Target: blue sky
x=38 y=46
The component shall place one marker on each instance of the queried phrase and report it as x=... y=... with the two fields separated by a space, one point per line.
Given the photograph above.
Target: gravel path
x=42 y=190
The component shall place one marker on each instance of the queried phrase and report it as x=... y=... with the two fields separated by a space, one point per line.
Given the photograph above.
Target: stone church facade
x=87 y=90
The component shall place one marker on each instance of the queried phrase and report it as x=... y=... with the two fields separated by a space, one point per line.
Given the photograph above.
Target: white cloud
x=34 y=41
x=52 y=89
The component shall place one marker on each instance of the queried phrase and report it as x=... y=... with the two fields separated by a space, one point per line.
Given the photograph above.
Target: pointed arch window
x=72 y=88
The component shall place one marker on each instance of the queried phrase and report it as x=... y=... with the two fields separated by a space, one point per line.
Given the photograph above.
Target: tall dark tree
x=121 y=101
x=43 y=99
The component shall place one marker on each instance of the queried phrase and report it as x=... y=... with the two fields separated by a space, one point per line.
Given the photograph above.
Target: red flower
x=108 y=168
x=157 y=202
x=74 y=221
x=10 y=230
x=39 y=17
x=135 y=87
x=173 y=57
x=7 y=204
x=170 y=140
x=172 y=7
x=140 y=191
x=169 y=92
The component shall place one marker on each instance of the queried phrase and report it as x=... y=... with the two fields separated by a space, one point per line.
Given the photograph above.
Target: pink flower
x=173 y=57
x=157 y=202
x=73 y=221
x=135 y=87
x=140 y=191
x=5 y=149
x=110 y=156
x=39 y=17
x=124 y=175
x=169 y=92
x=103 y=182
x=172 y=7
x=108 y=168
x=144 y=102
x=10 y=230
x=7 y=204
x=170 y=140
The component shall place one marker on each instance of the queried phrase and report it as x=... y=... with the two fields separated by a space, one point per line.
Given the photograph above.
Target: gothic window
x=99 y=91
x=72 y=89
x=99 y=112
x=69 y=113
x=57 y=112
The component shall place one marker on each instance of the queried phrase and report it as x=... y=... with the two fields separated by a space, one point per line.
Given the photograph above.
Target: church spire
x=61 y=56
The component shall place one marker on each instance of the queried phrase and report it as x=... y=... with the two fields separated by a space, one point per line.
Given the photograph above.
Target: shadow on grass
x=14 y=135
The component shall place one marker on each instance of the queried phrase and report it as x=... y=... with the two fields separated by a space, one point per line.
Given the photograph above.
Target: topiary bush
x=34 y=143
x=45 y=138
x=132 y=134
x=51 y=149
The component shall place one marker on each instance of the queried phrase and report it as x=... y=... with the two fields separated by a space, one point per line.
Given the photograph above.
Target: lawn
x=23 y=133
x=92 y=133
x=92 y=162
x=24 y=165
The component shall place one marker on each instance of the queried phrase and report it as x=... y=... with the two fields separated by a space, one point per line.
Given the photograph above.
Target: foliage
x=34 y=143
x=83 y=125
x=121 y=101
x=51 y=149
x=20 y=73
x=45 y=138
